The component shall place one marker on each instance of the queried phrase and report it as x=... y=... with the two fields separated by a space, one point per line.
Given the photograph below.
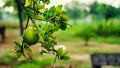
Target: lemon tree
x=55 y=19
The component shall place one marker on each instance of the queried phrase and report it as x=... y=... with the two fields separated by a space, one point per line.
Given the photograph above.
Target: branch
x=28 y=14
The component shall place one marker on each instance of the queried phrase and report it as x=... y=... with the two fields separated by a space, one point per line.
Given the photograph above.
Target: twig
x=27 y=22
x=52 y=66
x=28 y=14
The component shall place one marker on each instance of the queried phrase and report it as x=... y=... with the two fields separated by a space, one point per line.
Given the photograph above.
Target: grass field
x=80 y=54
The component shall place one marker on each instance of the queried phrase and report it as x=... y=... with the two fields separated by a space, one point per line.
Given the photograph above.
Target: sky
x=1 y=3
x=115 y=3
x=56 y=2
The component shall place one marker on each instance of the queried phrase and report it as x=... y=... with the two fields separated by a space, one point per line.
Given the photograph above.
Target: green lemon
x=30 y=36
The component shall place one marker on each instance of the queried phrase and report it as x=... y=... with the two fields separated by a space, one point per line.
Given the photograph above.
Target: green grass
x=109 y=40
x=9 y=24
x=8 y=59
x=36 y=63
x=75 y=45
x=71 y=35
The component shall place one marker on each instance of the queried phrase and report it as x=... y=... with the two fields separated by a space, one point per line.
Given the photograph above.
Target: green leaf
x=60 y=51
x=64 y=17
x=48 y=28
x=53 y=42
x=45 y=1
x=40 y=8
x=42 y=51
x=31 y=50
x=18 y=44
x=51 y=11
x=30 y=11
x=59 y=7
x=48 y=1
x=65 y=58
x=65 y=52
x=27 y=3
x=63 y=26
x=37 y=1
x=25 y=54
x=41 y=17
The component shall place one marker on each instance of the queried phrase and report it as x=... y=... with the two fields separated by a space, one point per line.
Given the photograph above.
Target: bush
x=36 y=63
x=87 y=32
x=112 y=29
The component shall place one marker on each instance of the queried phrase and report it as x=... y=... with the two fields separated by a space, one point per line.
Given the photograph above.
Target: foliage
x=74 y=10
x=104 y=10
x=1 y=13
x=86 y=32
x=7 y=59
x=9 y=3
x=35 y=63
x=112 y=29
x=97 y=29
x=54 y=19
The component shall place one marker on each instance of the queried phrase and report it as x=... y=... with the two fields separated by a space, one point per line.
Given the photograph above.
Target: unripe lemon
x=30 y=36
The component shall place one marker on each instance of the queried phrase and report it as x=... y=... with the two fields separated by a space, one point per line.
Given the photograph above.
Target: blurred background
x=95 y=29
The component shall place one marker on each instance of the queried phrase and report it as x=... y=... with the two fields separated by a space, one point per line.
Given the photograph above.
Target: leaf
x=63 y=26
x=42 y=10
x=53 y=42
x=41 y=17
x=42 y=51
x=59 y=7
x=30 y=11
x=37 y=1
x=18 y=44
x=65 y=58
x=46 y=1
x=31 y=50
x=51 y=11
x=60 y=51
x=64 y=17
x=27 y=3
x=48 y=28
x=65 y=52
x=25 y=54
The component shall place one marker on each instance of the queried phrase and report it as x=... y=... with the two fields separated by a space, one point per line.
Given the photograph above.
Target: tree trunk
x=106 y=28
x=86 y=41
x=20 y=16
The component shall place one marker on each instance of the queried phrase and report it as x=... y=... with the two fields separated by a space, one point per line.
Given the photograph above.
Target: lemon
x=30 y=36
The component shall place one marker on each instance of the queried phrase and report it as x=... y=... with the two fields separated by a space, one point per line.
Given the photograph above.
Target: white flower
x=60 y=46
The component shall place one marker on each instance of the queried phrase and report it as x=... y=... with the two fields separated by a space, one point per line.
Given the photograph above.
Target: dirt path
x=80 y=57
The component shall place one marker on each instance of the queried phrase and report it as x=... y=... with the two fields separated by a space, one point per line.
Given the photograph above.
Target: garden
x=52 y=40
